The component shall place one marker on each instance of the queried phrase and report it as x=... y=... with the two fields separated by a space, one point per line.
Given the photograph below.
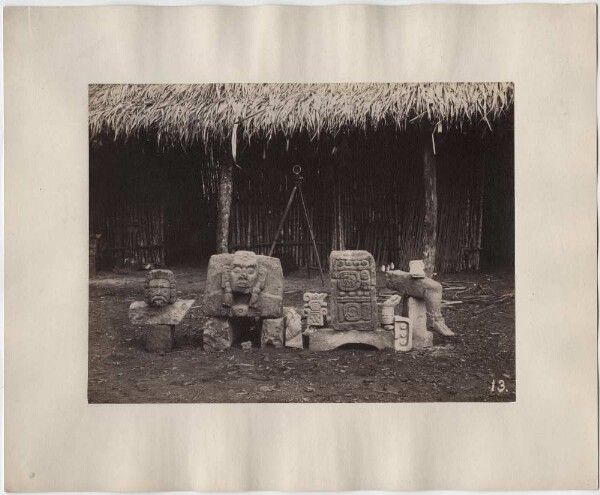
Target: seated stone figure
x=416 y=284
x=160 y=288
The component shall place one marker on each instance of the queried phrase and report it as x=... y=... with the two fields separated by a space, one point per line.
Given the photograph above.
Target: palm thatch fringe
x=183 y=115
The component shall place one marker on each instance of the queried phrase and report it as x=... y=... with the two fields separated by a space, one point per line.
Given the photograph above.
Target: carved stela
x=353 y=293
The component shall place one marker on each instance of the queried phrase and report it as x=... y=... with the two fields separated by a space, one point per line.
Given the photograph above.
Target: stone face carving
x=315 y=308
x=160 y=288
x=160 y=310
x=353 y=298
x=244 y=284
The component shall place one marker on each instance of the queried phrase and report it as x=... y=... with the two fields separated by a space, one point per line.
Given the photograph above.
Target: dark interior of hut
x=363 y=190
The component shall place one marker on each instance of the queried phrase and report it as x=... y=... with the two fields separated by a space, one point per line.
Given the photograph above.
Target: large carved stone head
x=244 y=272
x=160 y=288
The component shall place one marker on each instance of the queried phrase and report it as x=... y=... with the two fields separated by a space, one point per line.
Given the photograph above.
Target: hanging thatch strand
x=187 y=114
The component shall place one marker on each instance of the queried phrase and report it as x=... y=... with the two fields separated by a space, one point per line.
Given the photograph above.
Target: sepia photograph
x=304 y=243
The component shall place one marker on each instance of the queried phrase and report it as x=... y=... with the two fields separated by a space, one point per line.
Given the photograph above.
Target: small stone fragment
x=273 y=332
x=218 y=334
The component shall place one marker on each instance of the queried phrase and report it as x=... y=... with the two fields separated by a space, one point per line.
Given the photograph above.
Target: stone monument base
x=326 y=339
x=416 y=311
x=159 y=338
x=221 y=332
x=159 y=322
x=218 y=333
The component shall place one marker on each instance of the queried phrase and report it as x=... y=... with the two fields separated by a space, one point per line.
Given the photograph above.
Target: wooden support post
x=431 y=205
x=224 y=204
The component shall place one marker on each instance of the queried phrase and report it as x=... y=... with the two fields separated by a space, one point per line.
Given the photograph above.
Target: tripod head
x=298 y=179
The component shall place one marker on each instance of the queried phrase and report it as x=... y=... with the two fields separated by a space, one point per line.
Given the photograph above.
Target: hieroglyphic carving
x=315 y=308
x=403 y=336
x=353 y=297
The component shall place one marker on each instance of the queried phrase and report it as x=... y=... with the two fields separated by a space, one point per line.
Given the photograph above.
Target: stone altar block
x=353 y=293
x=141 y=313
x=327 y=339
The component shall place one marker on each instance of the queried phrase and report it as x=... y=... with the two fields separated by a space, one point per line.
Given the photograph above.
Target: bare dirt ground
x=477 y=365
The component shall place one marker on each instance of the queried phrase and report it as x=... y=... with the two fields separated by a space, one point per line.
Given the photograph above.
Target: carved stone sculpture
x=403 y=335
x=160 y=288
x=160 y=310
x=243 y=290
x=244 y=284
x=293 y=328
x=315 y=308
x=387 y=311
x=414 y=284
x=353 y=297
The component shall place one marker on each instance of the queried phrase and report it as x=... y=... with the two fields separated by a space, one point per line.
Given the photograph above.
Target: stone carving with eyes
x=243 y=276
x=160 y=288
x=244 y=284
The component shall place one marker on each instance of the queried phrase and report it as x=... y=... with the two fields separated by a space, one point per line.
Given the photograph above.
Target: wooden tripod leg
x=285 y=213
x=312 y=236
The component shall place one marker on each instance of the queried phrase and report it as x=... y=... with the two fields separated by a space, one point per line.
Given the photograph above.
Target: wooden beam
x=431 y=203
x=224 y=203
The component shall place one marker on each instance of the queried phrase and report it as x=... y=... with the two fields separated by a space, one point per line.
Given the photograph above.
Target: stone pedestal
x=416 y=311
x=159 y=322
x=159 y=338
x=326 y=339
x=140 y=313
x=218 y=334
x=272 y=333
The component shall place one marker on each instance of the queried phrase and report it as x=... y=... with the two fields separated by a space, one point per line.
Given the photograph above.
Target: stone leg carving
x=218 y=334
x=422 y=288
x=159 y=338
x=415 y=310
x=273 y=330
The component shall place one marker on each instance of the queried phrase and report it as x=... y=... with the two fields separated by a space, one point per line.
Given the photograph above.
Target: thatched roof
x=209 y=112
